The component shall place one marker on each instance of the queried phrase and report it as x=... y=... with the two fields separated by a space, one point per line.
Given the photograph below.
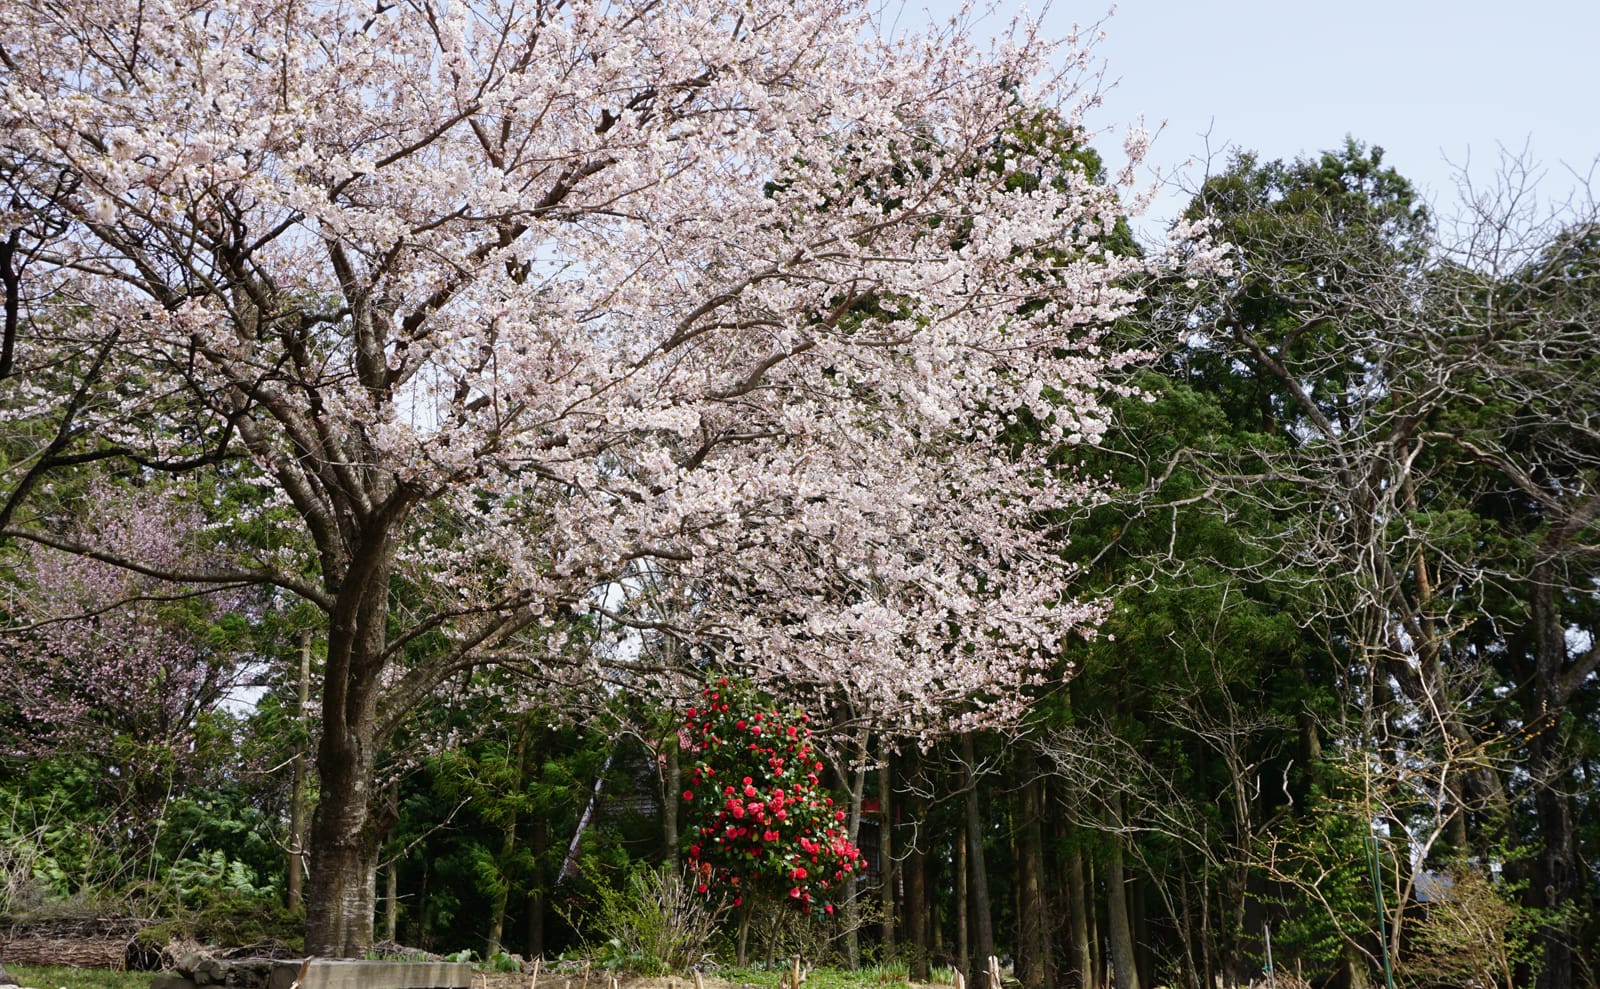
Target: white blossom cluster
x=535 y=298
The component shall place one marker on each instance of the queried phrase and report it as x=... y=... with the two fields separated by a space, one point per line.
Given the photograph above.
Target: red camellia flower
x=748 y=853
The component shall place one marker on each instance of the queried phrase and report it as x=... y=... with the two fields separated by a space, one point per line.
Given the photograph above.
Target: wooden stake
x=961 y=980
x=533 y=980
x=698 y=982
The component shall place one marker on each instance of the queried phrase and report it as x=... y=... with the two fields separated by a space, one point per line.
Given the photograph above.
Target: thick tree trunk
x=1033 y=945
x=982 y=916
x=340 y=897
x=347 y=828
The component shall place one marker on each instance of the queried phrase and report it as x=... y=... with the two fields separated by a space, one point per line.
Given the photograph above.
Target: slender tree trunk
x=391 y=902
x=939 y=906
x=887 y=870
x=420 y=935
x=1120 y=930
x=294 y=887
x=852 y=903
x=742 y=946
x=1555 y=880
x=983 y=921
x=915 y=870
x=671 y=789
x=1139 y=921
x=539 y=848
x=508 y=850
x=963 y=929
x=1082 y=946
x=1033 y=942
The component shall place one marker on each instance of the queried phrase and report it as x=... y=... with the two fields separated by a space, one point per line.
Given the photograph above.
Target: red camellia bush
x=763 y=825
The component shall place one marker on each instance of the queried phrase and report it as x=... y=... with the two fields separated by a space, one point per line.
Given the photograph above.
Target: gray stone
x=335 y=973
x=209 y=972
x=171 y=982
x=248 y=973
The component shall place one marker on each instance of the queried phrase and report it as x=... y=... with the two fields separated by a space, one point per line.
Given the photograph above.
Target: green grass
x=867 y=977
x=78 y=978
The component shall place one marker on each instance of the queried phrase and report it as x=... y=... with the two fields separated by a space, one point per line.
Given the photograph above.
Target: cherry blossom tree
x=111 y=663
x=504 y=301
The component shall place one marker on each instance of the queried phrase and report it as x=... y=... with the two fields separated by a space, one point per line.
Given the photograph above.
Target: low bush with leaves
x=652 y=923
x=1474 y=931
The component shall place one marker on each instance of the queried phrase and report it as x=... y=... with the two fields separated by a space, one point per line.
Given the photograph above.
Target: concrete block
x=338 y=973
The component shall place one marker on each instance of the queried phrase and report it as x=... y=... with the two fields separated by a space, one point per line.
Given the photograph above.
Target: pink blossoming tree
x=110 y=663
x=506 y=300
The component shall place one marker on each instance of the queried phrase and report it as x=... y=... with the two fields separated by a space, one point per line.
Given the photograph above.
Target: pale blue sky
x=1428 y=81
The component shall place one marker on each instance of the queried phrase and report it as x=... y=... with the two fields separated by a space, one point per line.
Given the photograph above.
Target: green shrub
x=652 y=923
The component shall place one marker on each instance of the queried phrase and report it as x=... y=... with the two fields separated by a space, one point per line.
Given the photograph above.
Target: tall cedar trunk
x=886 y=870
x=1033 y=948
x=420 y=935
x=538 y=847
x=294 y=888
x=1097 y=940
x=1555 y=880
x=1118 y=927
x=1138 y=919
x=978 y=884
x=915 y=870
x=347 y=828
x=1082 y=946
x=963 y=928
